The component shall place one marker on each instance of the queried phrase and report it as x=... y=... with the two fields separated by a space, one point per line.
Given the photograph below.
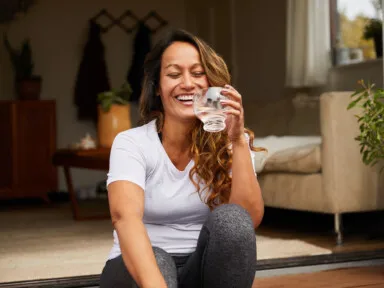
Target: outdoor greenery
x=359 y=32
x=372 y=29
x=371 y=122
x=118 y=96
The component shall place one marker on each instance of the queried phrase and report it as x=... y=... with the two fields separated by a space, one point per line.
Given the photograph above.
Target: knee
x=232 y=215
x=232 y=223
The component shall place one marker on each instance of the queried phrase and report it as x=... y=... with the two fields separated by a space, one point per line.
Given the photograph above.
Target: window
x=349 y=20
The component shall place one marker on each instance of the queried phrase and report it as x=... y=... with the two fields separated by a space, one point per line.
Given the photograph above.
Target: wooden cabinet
x=27 y=144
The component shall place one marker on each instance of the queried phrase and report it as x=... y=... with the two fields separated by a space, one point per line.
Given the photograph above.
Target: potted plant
x=113 y=114
x=373 y=30
x=371 y=122
x=27 y=85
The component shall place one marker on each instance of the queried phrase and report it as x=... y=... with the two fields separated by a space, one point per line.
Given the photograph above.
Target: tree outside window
x=358 y=23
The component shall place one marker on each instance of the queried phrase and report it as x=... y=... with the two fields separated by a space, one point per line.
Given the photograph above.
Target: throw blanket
x=276 y=144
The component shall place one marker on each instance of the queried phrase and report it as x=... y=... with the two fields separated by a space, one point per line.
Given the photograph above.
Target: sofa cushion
x=302 y=159
x=288 y=154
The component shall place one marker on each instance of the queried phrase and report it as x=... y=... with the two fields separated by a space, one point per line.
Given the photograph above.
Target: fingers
x=231 y=103
x=232 y=112
x=235 y=107
x=231 y=92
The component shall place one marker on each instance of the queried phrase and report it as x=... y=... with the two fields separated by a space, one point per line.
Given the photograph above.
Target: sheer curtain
x=308 y=43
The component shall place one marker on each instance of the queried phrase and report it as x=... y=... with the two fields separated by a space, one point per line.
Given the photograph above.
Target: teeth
x=185 y=97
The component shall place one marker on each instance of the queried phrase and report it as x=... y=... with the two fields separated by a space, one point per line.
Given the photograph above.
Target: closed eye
x=174 y=75
x=198 y=74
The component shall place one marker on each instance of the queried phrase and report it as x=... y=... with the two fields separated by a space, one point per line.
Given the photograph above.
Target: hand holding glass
x=208 y=108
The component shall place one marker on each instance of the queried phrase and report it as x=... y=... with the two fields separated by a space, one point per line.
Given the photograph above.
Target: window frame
x=334 y=34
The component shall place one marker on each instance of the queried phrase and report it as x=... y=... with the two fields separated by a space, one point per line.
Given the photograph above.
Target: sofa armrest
x=348 y=183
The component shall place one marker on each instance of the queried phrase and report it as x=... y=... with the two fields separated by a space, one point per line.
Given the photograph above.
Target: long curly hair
x=211 y=151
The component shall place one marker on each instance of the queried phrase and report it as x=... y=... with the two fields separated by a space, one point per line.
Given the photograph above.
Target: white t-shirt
x=173 y=211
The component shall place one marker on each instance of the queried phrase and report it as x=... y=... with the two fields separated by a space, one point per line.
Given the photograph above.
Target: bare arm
x=245 y=187
x=126 y=201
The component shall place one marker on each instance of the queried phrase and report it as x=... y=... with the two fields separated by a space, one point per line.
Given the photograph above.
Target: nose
x=187 y=82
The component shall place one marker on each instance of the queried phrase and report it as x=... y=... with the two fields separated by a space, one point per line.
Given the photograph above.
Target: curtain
x=308 y=43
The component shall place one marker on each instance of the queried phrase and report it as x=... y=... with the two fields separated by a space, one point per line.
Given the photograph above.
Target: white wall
x=58 y=31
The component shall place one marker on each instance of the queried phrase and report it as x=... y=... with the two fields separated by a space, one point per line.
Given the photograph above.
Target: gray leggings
x=225 y=256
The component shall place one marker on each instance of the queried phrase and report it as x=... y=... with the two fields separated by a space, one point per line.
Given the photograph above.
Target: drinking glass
x=207 y=107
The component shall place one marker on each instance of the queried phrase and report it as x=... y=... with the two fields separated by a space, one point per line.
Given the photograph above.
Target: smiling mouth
x=185 y=99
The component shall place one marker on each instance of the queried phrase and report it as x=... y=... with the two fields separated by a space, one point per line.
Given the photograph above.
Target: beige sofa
x=326 y=176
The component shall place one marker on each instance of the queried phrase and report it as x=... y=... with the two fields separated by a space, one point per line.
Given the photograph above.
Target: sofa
x=320 y=173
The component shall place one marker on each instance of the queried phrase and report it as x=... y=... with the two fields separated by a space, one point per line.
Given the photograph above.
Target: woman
x=184 y=202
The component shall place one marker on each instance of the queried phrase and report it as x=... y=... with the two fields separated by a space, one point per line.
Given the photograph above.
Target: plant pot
x=110 y=123
x=29 y=89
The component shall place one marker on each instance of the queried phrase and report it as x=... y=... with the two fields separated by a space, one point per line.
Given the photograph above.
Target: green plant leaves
x=371 y=122
x=21 y=59
x=373 y=27
x=119 y=96
x=353 y=103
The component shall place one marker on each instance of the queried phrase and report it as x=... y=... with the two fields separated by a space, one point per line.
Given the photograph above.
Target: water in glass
x=207 y=107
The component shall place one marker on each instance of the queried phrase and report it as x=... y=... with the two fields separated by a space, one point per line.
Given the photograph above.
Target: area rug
x=43 y=244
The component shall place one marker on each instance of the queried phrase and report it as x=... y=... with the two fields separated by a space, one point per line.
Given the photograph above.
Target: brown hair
x=211 y=153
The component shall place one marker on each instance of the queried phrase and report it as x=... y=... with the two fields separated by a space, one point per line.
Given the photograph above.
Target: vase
x=111 y=123
x=29 y=88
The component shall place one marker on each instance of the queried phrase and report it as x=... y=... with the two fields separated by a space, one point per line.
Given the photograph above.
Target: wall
x=260 y=31
x=214 y=24
x=251 y=36
x=345 y=77
x=58 y=31
x=260 y=55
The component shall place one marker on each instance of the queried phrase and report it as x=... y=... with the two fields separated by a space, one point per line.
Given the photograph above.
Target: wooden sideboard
x=27 y=144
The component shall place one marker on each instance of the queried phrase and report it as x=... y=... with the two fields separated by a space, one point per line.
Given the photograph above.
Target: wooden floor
x=367 y=277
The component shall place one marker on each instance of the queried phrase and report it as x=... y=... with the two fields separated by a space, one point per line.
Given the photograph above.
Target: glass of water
x=208 y=108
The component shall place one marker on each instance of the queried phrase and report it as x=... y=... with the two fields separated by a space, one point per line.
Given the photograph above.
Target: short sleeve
x=126 y=161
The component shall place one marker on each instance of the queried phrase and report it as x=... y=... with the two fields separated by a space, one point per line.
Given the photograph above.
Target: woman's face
x=181 y=76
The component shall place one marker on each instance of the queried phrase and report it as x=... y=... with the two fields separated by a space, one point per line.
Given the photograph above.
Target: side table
x=94 y=159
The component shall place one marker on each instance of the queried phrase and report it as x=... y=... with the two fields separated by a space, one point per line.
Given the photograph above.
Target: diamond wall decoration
x=128 y=21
